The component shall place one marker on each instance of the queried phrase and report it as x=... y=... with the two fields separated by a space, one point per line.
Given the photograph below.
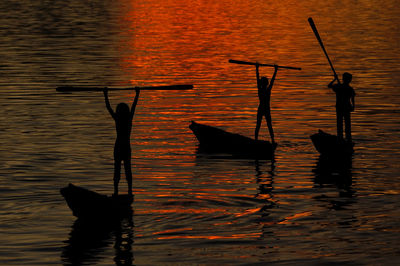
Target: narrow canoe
x=87 y=204
x=327 y=144
x=215 y=140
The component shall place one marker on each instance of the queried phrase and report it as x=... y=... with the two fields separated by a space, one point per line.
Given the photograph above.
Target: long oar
x=314 y=28
x=83 y=88
x=253 y=64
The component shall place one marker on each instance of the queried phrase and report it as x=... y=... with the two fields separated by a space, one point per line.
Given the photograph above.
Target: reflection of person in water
x=264 y=109
x=122 y=150
x=344 y=104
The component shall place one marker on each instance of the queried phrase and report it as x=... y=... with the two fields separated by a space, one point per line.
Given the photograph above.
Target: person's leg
x=117 y=174
x=269 y=123
x=347 y=123
x=258 y=125
x=128 y=174
x=339 y=124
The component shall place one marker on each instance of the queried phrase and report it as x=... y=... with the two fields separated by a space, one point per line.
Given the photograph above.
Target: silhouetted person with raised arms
x=122 y=150
x=264 y=108
x=345 y=104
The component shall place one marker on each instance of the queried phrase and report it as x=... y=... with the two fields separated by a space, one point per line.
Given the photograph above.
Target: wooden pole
x=253 y=64
x=83 y=88
x=314 y=28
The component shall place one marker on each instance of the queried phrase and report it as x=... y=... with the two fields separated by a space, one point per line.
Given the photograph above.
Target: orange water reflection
x=190 y=42
x=213 y=237
x=182 y=211
x=289 y=219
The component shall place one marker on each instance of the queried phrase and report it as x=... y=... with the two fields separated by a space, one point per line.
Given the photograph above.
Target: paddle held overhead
x=253 y=64
x=83 y=88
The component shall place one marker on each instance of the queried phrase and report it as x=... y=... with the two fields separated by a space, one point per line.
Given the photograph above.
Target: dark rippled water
x=191 y=208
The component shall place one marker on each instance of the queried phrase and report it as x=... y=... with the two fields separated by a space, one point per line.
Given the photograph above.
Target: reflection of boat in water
x=89 y=241
x=328 y=144
x=215 y=140
x=86 y=241
x=87 y=204
x=336 y=171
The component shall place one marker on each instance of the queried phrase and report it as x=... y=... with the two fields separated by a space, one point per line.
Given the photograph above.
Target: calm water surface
x=191 y=208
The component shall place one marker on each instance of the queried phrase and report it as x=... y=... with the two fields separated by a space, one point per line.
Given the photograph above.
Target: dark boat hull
x=87 y=204
x=329 y=145
x=215 y=140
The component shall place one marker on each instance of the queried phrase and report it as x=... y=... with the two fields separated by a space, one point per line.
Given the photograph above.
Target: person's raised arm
x=110 y=110
x=273 y=77
x=331 y=85
x=135 y=101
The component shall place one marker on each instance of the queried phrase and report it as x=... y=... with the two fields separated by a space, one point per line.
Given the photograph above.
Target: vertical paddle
x=314 y=28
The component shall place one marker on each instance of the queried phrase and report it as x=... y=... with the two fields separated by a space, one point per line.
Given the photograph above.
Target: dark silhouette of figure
x=122 y=150
x=264 y=109
x=345 y=104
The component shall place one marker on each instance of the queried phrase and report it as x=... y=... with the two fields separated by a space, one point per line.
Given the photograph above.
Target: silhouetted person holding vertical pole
x=122 y=150
x=264 y=109
x=345 y=104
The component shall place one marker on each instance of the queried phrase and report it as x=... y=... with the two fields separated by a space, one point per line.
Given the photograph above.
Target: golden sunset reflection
x=181 y=211
x=248 y=212
x=173 y=230
x=213 y=237
x=291 y=219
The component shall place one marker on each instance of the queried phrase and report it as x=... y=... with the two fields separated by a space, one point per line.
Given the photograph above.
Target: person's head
x=347 y=77
x=264 y=82
x=122 y=109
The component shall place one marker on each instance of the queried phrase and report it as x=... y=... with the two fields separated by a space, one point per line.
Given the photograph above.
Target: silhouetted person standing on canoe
x=122 y=150
x=345 y=104
x=264 y=109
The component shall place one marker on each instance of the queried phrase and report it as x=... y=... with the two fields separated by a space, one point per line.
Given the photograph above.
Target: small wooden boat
x=87 y=204
x=215 y=140
x=330 y=145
